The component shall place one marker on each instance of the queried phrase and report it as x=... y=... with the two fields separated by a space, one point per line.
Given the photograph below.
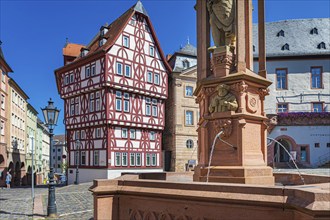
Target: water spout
x=272 y=139
x=212 y=150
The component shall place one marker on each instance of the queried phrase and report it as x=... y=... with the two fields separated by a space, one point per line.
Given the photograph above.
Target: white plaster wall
x=117 y=173
x=299 y=82
x=307 y=135
x=86 y=175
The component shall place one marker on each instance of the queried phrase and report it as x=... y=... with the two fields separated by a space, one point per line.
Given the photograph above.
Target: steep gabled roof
x=114 y=31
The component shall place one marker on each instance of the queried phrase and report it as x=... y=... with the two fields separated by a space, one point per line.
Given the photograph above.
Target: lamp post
x=51 y=115
x=77 y=161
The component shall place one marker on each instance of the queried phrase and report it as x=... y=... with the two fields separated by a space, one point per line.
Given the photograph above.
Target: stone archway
x=280 y=155
x=17 y=174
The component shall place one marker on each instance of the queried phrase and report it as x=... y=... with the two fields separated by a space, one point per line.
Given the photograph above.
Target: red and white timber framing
x=114 y=104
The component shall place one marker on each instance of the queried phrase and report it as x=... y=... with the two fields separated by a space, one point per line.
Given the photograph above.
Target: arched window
x=314 y=31
x=286 y=47
x=280 y=33
x=321 y=46
x=185 y=64
x=190 y=143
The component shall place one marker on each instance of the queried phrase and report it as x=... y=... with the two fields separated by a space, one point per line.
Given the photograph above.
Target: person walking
x=8 y=180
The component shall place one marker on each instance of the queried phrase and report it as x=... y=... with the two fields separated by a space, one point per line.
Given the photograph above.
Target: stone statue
x=223 y=101
x=222 y=17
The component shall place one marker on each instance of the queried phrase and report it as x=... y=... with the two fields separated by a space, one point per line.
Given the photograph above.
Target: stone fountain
x=231 y=100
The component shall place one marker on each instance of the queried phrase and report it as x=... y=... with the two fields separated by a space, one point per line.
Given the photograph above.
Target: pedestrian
x=8 y=180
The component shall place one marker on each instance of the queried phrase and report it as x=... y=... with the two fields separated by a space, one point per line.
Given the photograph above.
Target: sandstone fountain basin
x=174 y=196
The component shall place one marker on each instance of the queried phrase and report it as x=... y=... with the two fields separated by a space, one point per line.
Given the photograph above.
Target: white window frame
x=98 y=132
x=152 y=136
x=148 y=158
x=128 y=72
x=156 y=78
x=96 y=158
x=71 y=78
x=118 y=101
x=119 y=68
x=132 y=134
x=149 y=77
x=124 y=133
x=189 y=121
x=93 y=70
x=126 y=106
x=189 y=91
x=127 y=42
x=132 y=159
x=152 y=50
x=91 y=102
x=124 y=161
x=117 y=159
x=87 y=71
x=153 y=160
x=148 y=106
x=138 y=161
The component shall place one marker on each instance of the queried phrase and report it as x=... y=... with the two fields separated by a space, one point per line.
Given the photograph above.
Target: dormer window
x=280 y=33
x=286 y=47
x=102 y=41
x=185 y=64
x=314 y=31
x=321 y=46
x=83 y=52
x=103 y=31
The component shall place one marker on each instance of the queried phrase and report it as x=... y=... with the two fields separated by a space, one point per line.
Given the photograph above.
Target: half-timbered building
x=114 y=93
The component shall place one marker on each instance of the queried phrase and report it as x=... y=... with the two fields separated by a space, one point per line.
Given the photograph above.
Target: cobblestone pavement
x=73 y=202
x=16 y=203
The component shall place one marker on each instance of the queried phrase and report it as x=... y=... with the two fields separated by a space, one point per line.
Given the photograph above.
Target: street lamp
x=77 y=161
x=51 y=115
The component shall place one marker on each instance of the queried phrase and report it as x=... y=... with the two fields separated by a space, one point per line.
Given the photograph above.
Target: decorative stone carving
x=263 y=92
x=252 y=103
x=240 y=87
x=222 y=19
x=225 y=125
x=223 y=101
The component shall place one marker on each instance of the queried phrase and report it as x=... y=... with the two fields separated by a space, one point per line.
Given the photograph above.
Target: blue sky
x=34 y=32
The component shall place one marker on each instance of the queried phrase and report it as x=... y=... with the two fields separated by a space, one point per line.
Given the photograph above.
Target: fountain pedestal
x=241 y=154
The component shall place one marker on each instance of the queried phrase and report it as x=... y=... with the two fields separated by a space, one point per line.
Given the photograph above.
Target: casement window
x=281 y=79
x=317 y=107
x=185 y=64
x=148 y=106
x=124 y=133
x=156 y=79
x=76 y=108
x=127 y=70
x=148 y=160
x=71 y=78
x=126 y=102
x=189 y=143
x=132 y=134
x=2 y=101
x=149 y=77
x=138 y=159
x=98 y=132
x=189 y=91
x=124 y=159
x=87 y=71
x=317 y=145
x=126 y=41
x=2 y=128
x=154 y=160
x=82 y=135
x=152 y=51
x=72 y=105
x=189 y=118
x=132 y=159
x=91 y=102
x=152 y=135
x=96 y=158
x=119 y=68
x=316 y=77
x=118 y=101
x=66 y=80
x=282 y=107
x=117 y=159
x=154 y=108
x=97 y=101
x=77 y=136
x=93 y=70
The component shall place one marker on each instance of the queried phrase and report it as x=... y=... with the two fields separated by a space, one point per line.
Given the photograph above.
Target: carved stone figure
x=224 y=100
x=222 y=17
